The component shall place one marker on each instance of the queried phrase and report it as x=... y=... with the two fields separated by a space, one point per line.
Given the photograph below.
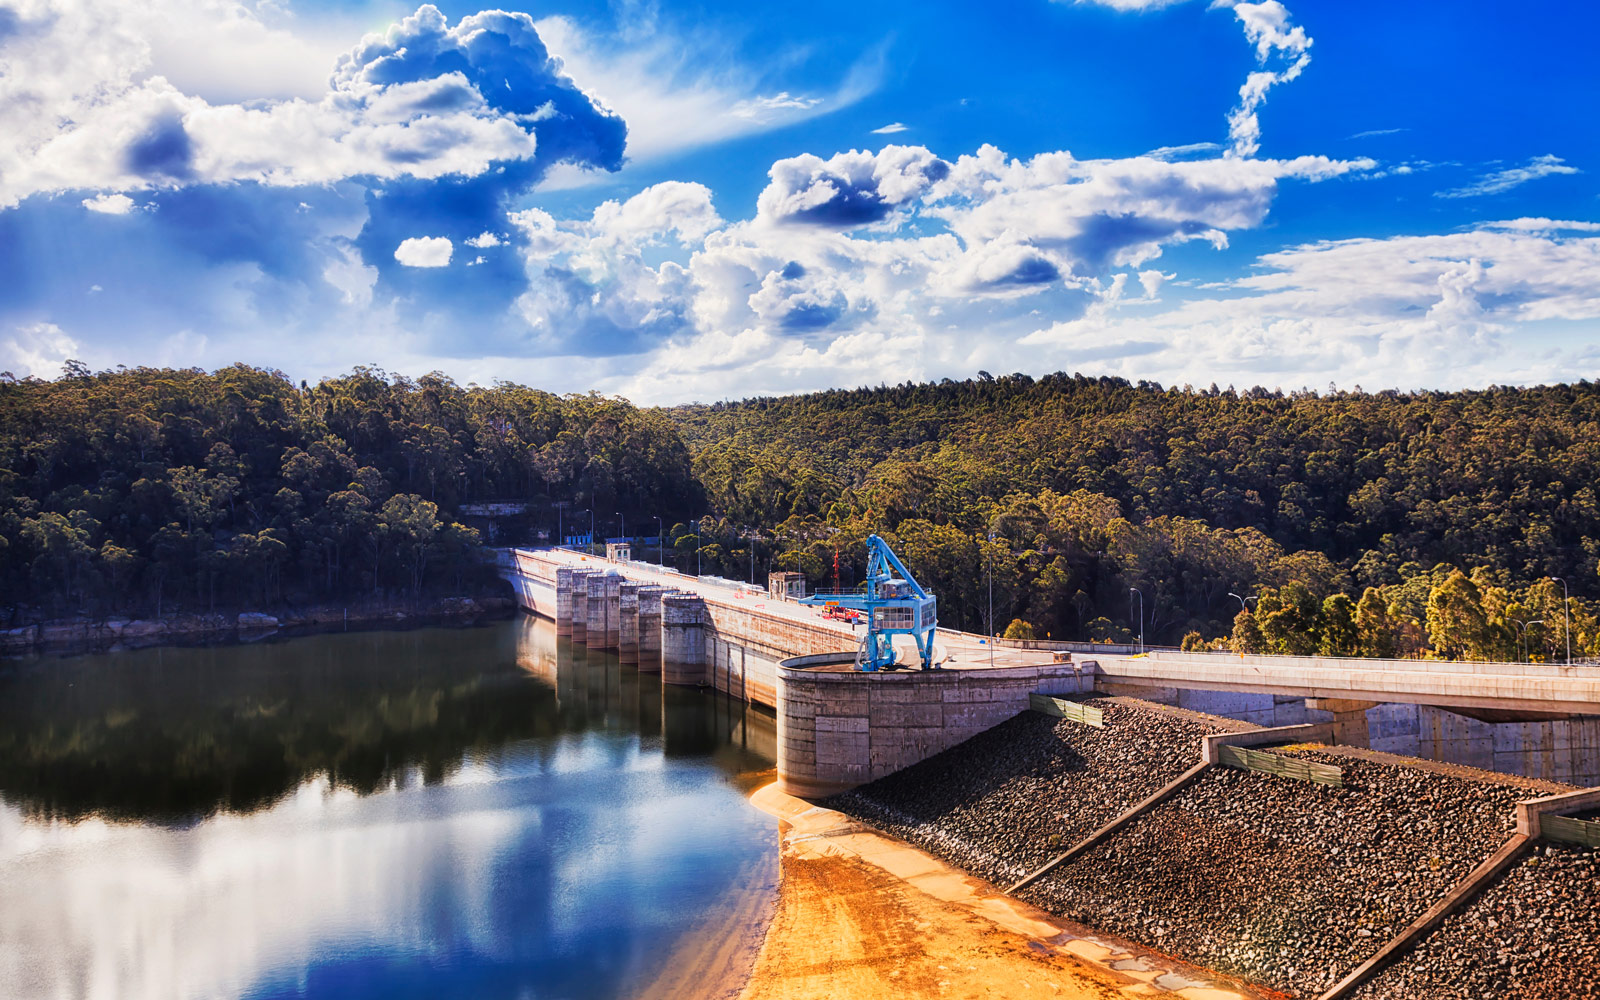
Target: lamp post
x=989 y=560
x=1136 y=590
x=622 y=527
x=1536 y=621
x=1566 y=616
x=661 y=534
x=1242 y=600
x=699 y=543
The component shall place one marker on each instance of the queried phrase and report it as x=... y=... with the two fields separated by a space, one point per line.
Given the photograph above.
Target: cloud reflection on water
x=561 y=865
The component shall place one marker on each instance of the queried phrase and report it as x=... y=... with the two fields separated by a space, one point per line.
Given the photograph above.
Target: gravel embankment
x=1534 y=935
x=1283 y=882
x=1009 y=799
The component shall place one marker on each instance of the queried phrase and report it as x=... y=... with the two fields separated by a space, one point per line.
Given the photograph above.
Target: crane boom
x=895 y=604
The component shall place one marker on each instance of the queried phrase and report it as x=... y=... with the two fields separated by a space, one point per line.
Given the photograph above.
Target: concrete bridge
x=838 y=727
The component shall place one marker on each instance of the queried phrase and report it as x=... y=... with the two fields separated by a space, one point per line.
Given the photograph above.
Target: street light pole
x=1136 y=590
x=622 y=526
x=661 y=534
x=1536 y=621
x=699 y=543
x=1566 y=616
x=990 y=567
x=1242 y=600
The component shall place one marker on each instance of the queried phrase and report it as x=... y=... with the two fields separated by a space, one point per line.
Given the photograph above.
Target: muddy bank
x=1009 y=799
x=85 y=635
x=863 y=915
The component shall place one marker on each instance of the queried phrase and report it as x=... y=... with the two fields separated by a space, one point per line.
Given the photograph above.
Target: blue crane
x=894 y=604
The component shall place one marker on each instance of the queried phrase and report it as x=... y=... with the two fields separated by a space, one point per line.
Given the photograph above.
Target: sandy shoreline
x=862 y=915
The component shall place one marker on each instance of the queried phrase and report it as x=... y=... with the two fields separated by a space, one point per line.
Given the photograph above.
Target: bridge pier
x=564 y=600
x=683 y=645
x=594 y=632
x=580 y=605
x=650 y=628
x=611 y=594
x=604 y=596
x=628 y=622
x=1349 y=719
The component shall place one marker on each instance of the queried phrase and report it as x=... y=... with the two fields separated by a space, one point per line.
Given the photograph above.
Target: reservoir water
x=484 y=812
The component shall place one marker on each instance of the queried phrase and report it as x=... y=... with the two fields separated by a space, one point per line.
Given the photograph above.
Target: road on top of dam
x=952 y=649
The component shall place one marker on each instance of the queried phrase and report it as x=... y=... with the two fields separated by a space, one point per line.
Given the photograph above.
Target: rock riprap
x=1006 y=801
x=1534 y=935
x=1280 y=881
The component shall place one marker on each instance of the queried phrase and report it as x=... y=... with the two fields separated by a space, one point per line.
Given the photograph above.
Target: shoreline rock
x=85 y=635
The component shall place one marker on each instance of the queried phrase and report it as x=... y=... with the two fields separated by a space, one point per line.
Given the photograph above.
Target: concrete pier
x=594 y=632
x=564 y=600
x=1349 y=719
x=650 y=628
x=683 y=647
x=580 y=605
x=611 y=595
x=628 y=622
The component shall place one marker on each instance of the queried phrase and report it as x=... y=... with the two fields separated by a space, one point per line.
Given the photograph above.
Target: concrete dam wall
x=840 y=728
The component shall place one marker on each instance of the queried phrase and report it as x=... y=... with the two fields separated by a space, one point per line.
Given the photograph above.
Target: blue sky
x=705 y=201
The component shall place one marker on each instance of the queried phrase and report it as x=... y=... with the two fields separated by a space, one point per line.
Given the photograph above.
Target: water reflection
x=475 y=813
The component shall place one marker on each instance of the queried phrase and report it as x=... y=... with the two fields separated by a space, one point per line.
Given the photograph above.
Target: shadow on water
x=484 y=812
x=171 y=735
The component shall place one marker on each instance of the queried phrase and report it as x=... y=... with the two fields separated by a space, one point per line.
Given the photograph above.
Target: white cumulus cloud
x=37 y=349
x=424 y=251
x=109 y=204
x=114 y=122
x=1402 y=312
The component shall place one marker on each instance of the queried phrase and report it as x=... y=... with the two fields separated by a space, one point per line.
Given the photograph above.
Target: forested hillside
x=1094 y=486
x=1346 y=522
x=155 y=490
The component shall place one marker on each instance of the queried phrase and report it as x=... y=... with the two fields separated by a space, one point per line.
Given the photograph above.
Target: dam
x=839 y=727
x=1332 y=828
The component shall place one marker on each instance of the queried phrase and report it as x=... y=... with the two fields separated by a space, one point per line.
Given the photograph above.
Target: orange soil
x=864 y=916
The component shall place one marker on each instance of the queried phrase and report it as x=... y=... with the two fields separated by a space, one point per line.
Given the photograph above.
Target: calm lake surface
x=481 y=813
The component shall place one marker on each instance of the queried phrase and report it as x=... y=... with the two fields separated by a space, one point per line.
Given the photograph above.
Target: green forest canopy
x=1371 y=523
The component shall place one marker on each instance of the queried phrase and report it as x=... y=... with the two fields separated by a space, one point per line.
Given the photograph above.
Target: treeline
x=156 y=490
x=1098 y=493
x=1074 y=507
